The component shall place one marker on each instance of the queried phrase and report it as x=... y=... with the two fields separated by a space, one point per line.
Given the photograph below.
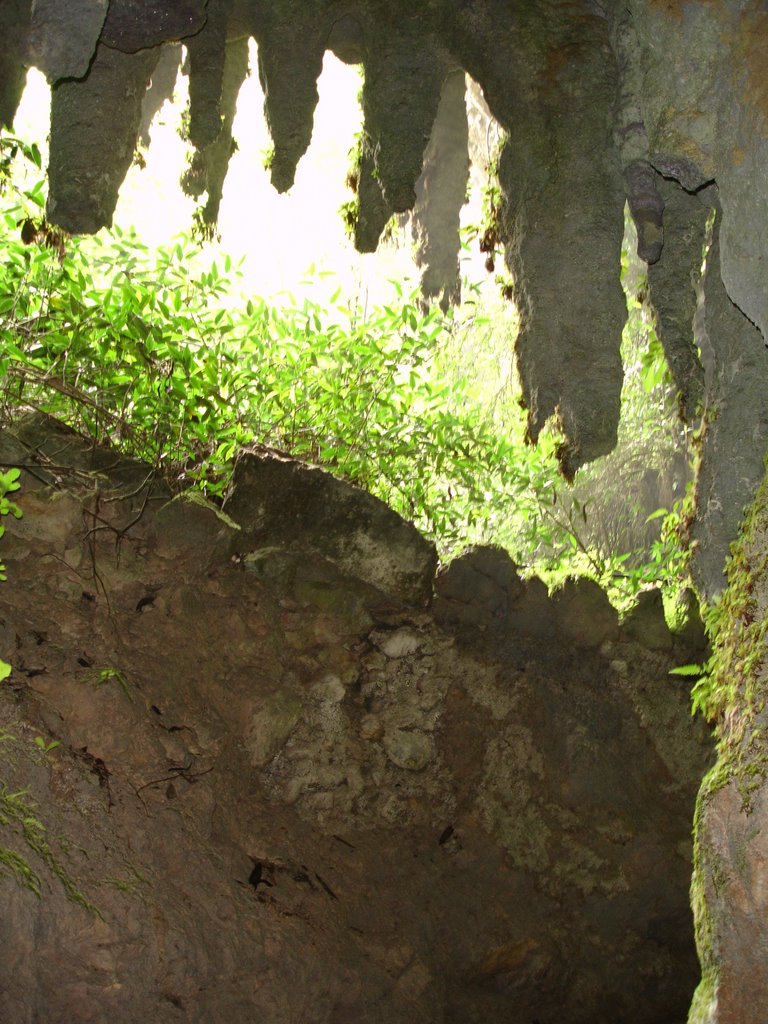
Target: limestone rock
x=373 y=210
x=646 y=622
x=62 y=41
x=559 y=172
x=586 y=91
x=190 y=525
x=731 y=847
x=584 y=613
x=673 y=293
x=133 y=25
x=440 y=194
x=735 y=435
x=290 y=798
x=302 y=508
x=272 y=723
x=403 y=71
x=94 y=127
x=692 y=637
x=291 y=46
x=14 y=55
x=729 y=891
x=400 y=643
x=410 y=750
x=476 y=588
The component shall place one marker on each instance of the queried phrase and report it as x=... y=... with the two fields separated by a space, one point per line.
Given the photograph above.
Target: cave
x=286 y=771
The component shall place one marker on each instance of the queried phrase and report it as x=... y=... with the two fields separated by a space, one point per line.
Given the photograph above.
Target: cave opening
x=268 y=748
x=295 y=249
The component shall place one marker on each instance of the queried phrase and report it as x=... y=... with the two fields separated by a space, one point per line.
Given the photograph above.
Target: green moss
x=703 y=868
x=18 y=813
x=703 y=999
x=268 y=157
x=128 y=886
x=350 y=211
x=198 y=499
x=13 y=864
x=732 y=696
x=738 y=629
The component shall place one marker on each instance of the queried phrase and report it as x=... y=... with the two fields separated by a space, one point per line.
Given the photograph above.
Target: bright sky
x=280 y=237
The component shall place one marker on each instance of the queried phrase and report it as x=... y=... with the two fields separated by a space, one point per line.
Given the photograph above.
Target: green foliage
x=268 y=157
x=9 y=482
x=113 y=675
x=350 y=208
x=488 y=233
x=144 y=351
x=689 y=670
x=46 y=746
x=349 y=211
x=19 y=813
x=701 y=691
x=11 y=148
x=127 y=347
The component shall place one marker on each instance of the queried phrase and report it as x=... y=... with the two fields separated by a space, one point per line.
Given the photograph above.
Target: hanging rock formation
x=602 y=102
x=440 y=194
x=673 y=280
x=660 y=104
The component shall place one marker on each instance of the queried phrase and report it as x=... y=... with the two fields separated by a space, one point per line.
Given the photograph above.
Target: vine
x=9 y=482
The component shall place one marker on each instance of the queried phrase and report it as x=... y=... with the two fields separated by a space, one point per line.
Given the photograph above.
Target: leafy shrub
x=141 y=351
x=127 y=347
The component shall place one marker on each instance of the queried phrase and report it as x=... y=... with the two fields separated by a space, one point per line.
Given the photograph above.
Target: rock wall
x=729 y=885
x=252 y=767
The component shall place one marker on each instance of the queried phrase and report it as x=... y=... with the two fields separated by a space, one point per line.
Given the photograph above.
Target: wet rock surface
x=287 y=794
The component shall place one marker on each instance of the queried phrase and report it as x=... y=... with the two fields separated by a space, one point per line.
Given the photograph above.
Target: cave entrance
x=464 y=475
x=266 y=334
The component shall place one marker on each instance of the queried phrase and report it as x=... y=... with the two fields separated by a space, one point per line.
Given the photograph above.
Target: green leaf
x=660 y=513
x=688 y=670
